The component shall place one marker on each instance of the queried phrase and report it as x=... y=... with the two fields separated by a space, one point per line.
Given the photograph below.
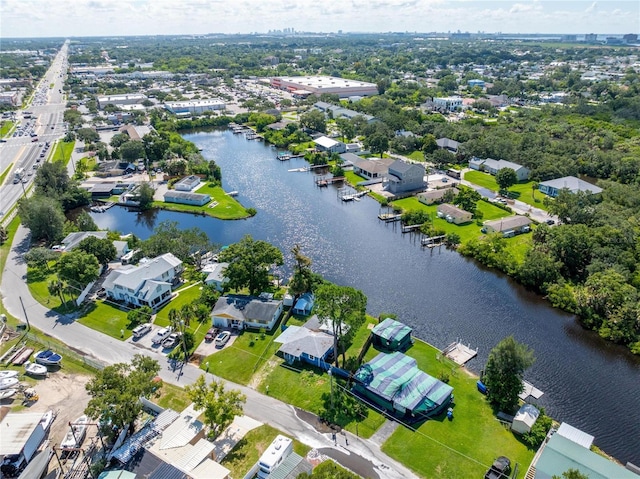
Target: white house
x=187 y=183
x=215 y=275
x=148 y=284
x=571 y=183
x=492 y=167
x=453 y=214
x=524 y=419
x=449 y=103
x=329 y=145
x=241 y=312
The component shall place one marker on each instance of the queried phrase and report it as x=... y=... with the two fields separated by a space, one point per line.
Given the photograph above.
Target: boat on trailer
x=34 y=369
x=48 y=358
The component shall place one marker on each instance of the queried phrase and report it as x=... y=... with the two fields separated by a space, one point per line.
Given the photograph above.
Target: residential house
x=186 y=198
x=475 y=82
x=492 y=167
x=300 y=343
x=242 y=312
x=449 y=103
x=188 y=183
x=448 y=144
x=72 y=240
x=562 y=452
x=148 y=284
x=404 y=176
x=391 y=335
x=329 y=145
x=435 y=196
x=372 y=167
x=453 y=214
x=304 y=305
x=215 y=275
x=552 y=187
x=517 y=224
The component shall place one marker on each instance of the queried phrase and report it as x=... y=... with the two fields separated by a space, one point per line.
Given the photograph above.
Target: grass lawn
x=5 y=128
x=106 y=318
x=173 y=397
x=38 y=281
x=63 y=151
x=249 y=449
x=4 y=174
x=416 y=155
x=463 y=447
x=243 y=358
x=466 y=231
x=353 y=178
x=520 y=191
x=226 y=209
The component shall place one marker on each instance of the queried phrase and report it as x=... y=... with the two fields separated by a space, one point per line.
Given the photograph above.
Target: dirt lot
x=64 y=393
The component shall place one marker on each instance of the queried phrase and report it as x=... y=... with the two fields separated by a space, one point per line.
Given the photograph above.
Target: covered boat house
x=394 y=382
x=391 y=335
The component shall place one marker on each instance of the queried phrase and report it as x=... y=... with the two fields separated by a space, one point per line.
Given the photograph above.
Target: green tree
x=39 y=258
x=119 y=139
x=346 y=129
x=467 y=199
x=102 y=248
x=331 y=470
x=116 y=390
x=88 y=135
x=219 y=406
x=314 y=120
x=144 y=195
x=429 y=144
x=261 y=120
x=156 y=145
x=43 y=216
x=506 y=178
x=503 y=374
x=85 y=222
x=571 y=474
x=344 y=307
x=78 y=267
x=249 y=261
x=377 y=143
x=138 y=316
x=539 y=270
x=132 y=150
x=303 y=278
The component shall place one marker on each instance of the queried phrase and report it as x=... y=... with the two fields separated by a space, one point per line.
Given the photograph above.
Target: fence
x=91 y=363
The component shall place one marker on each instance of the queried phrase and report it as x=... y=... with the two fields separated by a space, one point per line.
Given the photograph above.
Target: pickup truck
x=161 y=335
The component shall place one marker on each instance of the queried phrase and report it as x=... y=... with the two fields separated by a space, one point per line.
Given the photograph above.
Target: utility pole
x=25 y=311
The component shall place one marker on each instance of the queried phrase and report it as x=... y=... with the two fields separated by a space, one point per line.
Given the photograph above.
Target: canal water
x=588 y=383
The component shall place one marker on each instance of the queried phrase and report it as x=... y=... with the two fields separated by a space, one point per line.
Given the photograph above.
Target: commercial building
x=194 y=107
x=9 y=98
x=127 y=99
x=318 y=85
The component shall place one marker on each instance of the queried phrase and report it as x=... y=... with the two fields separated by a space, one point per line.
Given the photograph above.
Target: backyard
x=521 y=191
x=221 y=206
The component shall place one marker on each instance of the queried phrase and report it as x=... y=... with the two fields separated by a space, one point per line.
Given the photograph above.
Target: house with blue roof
x=304 y=305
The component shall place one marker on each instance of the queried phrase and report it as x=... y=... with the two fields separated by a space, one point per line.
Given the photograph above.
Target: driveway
x=108 y=350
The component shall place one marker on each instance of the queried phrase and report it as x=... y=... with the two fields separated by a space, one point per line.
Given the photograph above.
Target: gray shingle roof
x=246 y=308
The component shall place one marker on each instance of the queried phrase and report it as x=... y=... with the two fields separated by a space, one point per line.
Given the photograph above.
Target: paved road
x=362 y=456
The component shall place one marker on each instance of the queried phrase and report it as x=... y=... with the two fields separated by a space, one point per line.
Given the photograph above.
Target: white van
x=141 y=330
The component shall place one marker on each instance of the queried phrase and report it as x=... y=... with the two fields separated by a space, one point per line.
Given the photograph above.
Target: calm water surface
x=588 y=383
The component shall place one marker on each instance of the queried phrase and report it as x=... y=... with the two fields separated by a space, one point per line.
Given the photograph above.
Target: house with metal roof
x=329 y=145
x=571 y=183
x=404 y=176
x=72 y=240
x=394 y=382
x=516 y=223
x=392 y=335
x=492 y=167
x=453 y=214
x=242 y=312
x=448 y=144
x=304 y=305
x=187 y=183
x=559 y=454
x=186 y=198
x=215 y=275
x=148 y=284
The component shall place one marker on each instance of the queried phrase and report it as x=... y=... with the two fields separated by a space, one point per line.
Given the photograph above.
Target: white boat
x=34 y=369
x=8 y=373
x=48 y=358
x=7 y=393
x=76 y=433
x=6 y=383
x=47 y=419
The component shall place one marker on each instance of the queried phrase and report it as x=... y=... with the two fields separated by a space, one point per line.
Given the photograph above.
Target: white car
x=222 y=339
x=161 y=335
x=141 y=330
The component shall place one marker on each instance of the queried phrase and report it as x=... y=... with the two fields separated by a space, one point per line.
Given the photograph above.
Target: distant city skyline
x=77 y=18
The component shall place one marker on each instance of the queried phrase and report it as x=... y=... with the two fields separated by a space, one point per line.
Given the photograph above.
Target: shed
x=525 y=418
x=392 y=335
x=304 y=305
x=576 y=435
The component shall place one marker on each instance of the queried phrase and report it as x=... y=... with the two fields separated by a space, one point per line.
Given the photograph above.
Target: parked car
x=211 y=334
x=141 y=330
x=222 y=339
x=172 y=341
x=161 y=335
x=550 y=222
x=102 y=293
x=500 y=469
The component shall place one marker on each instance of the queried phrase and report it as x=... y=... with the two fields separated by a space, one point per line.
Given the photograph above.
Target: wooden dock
x=329 y=181
x=353 y=196
x=389 y=217
x=459 y=353
x=432 y=241
x=411 y=228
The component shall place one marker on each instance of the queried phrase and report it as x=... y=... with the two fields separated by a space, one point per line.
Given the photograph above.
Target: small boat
x=34 y=369
x=47 y=419
x=6 y=383
x=22 y=357
x=7 y=393
x=8 y=373
x=76 y=433
x=48 y=358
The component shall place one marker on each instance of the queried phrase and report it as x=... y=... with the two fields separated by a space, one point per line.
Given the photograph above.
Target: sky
x=69 y=18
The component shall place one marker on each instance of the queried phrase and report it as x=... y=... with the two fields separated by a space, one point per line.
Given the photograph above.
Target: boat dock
x=329 y=181
x=433 y=241
x=389 y=217
x=459 y=353
x=352 y=196
x=411 y=228
x=232 y=193
x=103 y=207
x=529 y=390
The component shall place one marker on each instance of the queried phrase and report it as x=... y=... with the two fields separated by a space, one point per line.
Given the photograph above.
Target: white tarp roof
x=576 y=435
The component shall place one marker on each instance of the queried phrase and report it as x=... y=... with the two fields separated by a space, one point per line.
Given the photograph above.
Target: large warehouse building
x=194 y=106
x=342 y=87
